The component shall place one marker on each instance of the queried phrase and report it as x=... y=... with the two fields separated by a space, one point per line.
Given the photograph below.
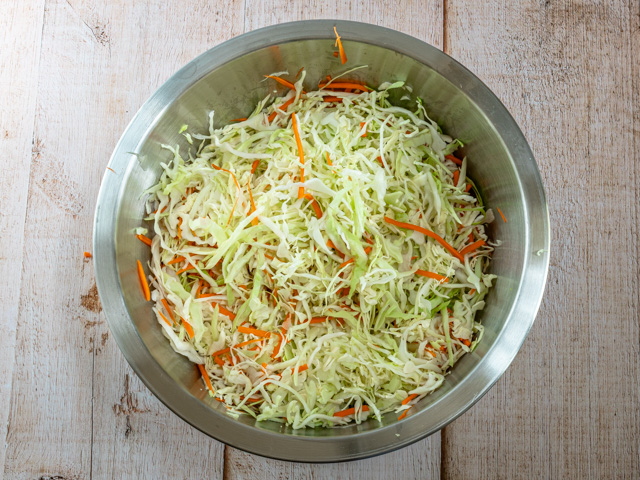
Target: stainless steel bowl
x=228 y=79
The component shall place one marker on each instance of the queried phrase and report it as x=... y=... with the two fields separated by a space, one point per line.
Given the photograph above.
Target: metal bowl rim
x=321 y=449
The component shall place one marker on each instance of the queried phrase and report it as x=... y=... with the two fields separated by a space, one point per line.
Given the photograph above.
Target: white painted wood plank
x=20 y=37
x=568 y=407
x=424 y=21
x=99 y=63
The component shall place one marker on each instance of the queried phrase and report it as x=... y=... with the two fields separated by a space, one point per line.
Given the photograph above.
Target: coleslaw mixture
x=323 y=260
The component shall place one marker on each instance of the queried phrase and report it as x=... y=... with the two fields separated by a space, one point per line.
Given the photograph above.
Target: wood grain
x=98 y=64
x=568 y=406
x=20 y=31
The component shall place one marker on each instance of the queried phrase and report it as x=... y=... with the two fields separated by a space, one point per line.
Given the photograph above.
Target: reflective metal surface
x=229 y=80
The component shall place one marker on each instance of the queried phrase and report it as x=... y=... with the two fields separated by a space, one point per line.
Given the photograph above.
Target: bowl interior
x=232 y=87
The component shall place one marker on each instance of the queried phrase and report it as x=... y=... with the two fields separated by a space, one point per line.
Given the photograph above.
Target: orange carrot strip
x=336 y=54
x=254 y=166
x=197 y=295
x=299 y=72
x=277 y=349
x=409 y=398
x=331 y=99
x=435 y=276
x=456 y=178
x=472 y=247
x=221 y=309
x=248 y=342
x=109 y=168
x=344 y=86
x=328 y=159
x=254 y=222
x=468 y=187
x=455 y=160
x=428 y=233
x=87 y=255
x=282 y=81
x=301 y=368
x=343 y=56
x=164 y=318
x=282 y=108
x=233 y=210
x=300 y=152
x=184 y=269
x=176 y=260
x=502 y=215
x=166 y=307
x=351 y=260
x=204 y=373
x=268 y=256
x=404 y=414
x=144 y=239
x=143 y=282
x=187 y=327
x=350 y=411
x=219 y=361
x=254 y=331
x=362 y=124
x=472 y=291
x=314 y=205
x=179 y=228
x=239 y=119
x=466 y=342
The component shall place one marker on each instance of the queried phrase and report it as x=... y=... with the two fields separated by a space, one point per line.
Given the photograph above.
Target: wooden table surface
x=74 y=72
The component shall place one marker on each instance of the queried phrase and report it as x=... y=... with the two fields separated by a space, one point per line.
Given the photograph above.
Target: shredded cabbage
x=296 y=317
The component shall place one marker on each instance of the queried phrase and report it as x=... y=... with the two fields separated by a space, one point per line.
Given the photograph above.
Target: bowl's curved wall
x=229 y=80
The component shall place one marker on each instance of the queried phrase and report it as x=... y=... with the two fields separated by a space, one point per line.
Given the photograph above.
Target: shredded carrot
x=233 y=210
x=468 y=187
x=502 y=215
x=185 y=269
x=109 y=168
x=435 y=276
x=239 y=119
x=221 y=309
x=351 y=260
x=300 y=152
x=187 y=327
x=472 y=247
x=466 y=342
x=176 y=260
x=164 y=318
x=268 y=256
x=362 y=124
x=471 y=237
x=254 y=222
x=87 y=255
x=336 y=54
x=456 y=178
x=282 y=108
x=472 y=291
x=254 y=166
x=409 y=398
x=299 y=72
x=344 y=86
x=219 y=361
x=204 y=373
x=329 y=159
x=404 y=414
x=343 y=56
x=277 y=349
x=179 y=228
x=144 y=239
x=350 y=411
x=329 y=98
x=143 y=282
x=254 y=331
x=314 y=205
x=197 y=295
x=166 y=307
x=428 y=233
x=455 y=160
x=282 y=81
x=301 y=368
